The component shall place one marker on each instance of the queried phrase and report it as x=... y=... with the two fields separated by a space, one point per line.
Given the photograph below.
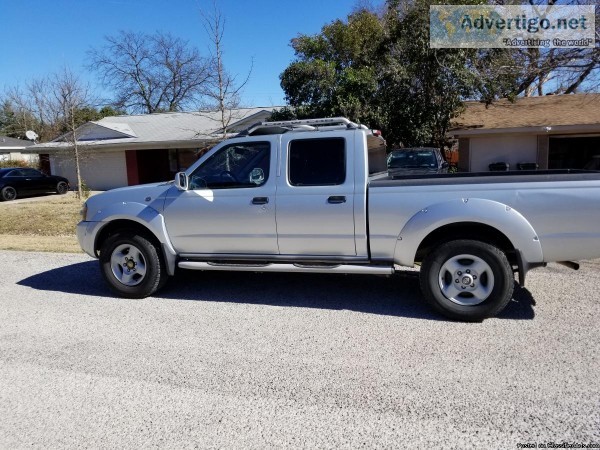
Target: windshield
x=412 y=159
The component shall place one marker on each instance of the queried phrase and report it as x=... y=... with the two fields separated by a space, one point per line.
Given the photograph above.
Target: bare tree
x=223 y=93
x=32 y=109
x=556 y=70
x=68 y=95
x=151 y=73
x=50 y=106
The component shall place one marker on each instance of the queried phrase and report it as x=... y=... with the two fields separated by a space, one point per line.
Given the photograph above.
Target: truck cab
x=254 y=195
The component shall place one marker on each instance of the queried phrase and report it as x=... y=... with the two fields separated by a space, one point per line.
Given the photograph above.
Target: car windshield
x=412 y=159
x=4 y=172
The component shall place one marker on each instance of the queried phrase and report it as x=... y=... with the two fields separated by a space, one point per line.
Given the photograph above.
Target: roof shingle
x=12 y=143
x=549 y=110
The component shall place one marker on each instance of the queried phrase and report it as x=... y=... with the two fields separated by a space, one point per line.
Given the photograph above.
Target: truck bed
x=561 y=206
x=459 y=178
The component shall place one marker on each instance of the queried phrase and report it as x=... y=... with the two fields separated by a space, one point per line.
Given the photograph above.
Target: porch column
x=464 y=154
x=543 y=151
x=131 y=161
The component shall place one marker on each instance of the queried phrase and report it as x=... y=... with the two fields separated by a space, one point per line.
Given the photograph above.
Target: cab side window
x=241 y=165
x=317 y=162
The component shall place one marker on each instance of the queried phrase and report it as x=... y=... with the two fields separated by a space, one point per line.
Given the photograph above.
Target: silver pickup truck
x=314 y=196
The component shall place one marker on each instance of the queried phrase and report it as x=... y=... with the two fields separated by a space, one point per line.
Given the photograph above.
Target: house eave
x=116 y=146
x=536 y=130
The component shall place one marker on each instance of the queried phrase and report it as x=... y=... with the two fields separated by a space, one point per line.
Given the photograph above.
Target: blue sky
x=42 y=36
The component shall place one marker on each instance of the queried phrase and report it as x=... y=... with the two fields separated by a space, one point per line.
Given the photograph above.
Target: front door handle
x=260 y=200
x=336 y=199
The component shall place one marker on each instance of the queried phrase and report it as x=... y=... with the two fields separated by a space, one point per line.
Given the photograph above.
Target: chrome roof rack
x=283 y=126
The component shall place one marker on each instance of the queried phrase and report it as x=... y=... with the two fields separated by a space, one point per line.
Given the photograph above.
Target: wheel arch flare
x=468 y=218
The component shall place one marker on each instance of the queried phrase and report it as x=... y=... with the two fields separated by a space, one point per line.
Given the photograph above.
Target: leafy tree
x=9 y=121
x=377 y=68
x=335 y=72
x=90 y=113
x=422 y=87
x=151 y=72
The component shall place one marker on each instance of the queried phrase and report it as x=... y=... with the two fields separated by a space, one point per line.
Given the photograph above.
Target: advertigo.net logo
x=482 y=26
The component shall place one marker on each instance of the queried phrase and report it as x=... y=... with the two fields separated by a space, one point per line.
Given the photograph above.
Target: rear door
x=315 y=195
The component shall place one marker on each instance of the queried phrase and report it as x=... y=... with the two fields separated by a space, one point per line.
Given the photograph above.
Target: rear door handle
x=336 y=199
x=260 y=200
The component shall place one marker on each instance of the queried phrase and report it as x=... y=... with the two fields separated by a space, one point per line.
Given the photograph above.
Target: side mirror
x=181 y=181
x=445 y=165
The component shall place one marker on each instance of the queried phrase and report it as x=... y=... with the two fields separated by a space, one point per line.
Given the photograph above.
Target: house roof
x=550 y=111
x=160 y=130
x=8 y=143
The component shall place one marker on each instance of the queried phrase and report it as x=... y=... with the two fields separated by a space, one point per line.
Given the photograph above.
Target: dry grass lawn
x=46 y=224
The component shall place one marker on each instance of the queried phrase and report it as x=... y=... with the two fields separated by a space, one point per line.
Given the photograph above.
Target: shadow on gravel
x=398 y=295
x=521 y=305
x=81 y=278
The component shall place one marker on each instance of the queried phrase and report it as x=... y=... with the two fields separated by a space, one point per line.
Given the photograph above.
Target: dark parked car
x=17 y=181
x=416 y=161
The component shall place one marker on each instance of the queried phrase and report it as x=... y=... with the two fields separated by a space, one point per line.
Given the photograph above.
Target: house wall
x=102 y=171
x=513 y=149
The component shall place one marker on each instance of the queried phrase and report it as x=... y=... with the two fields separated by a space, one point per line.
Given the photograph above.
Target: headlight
x=83 y=212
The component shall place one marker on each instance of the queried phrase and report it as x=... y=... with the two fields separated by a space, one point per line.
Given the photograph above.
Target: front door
x=315 y=196
x=229 y=208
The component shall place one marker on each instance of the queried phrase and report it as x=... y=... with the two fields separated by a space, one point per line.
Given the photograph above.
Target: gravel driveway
x=282 y=360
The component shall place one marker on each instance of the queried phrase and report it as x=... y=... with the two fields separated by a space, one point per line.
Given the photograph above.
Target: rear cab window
x=317 y=162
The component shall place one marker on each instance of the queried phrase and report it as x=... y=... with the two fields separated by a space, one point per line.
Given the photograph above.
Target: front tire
x=62 y=188
x=132 y=265
x=467 y=280
x=8 y=193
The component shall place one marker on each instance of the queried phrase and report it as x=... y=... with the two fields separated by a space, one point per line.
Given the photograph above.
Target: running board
x=299 y=268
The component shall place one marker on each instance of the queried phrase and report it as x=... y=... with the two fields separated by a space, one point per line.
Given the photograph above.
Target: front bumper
x=86 y=235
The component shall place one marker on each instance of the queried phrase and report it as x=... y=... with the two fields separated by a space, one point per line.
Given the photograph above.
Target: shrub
x=17 y=163
x=85 y=191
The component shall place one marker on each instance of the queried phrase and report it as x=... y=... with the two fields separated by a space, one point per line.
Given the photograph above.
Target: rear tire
x=8 y=193
x=132 y=265
x=62 y=188
x=467 y=280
